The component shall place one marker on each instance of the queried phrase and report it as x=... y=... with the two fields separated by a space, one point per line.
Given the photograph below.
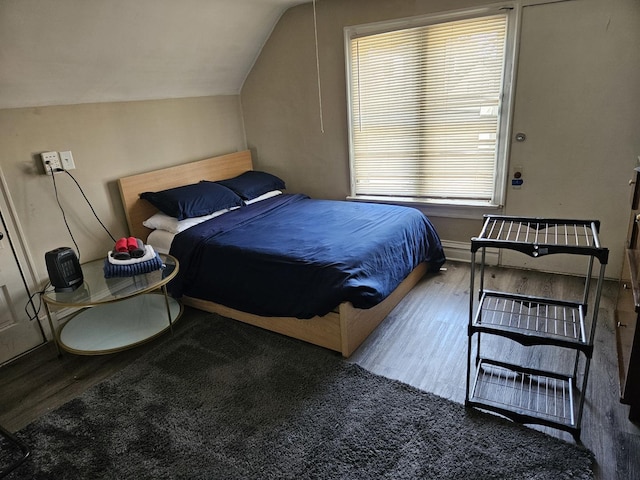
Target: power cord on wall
x=30 y=303
x=91 y=206
x=64 y=216
x=55 y=188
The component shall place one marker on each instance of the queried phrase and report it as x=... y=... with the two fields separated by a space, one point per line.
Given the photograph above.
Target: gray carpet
x=222 y=400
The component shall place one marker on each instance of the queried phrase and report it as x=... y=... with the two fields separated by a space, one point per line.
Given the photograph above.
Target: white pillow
x=161 y=221
x=264 y=196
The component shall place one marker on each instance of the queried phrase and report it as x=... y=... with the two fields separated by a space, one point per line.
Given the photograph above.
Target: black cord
x=36 y=311
x=30 y=302
x=64 y=216
x=90 y=206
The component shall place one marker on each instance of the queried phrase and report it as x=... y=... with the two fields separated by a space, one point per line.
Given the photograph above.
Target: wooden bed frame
x=342 y=330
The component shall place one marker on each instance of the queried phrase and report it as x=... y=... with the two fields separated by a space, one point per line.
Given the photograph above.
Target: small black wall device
x=64 y=269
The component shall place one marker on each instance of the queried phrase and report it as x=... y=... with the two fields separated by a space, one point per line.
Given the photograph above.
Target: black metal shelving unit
x=524 y=394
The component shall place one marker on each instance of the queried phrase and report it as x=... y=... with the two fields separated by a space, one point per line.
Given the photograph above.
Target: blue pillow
x=193 y=200
x=252 y=184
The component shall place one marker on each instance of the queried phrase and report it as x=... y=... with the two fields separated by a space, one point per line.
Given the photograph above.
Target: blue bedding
x=294 y=256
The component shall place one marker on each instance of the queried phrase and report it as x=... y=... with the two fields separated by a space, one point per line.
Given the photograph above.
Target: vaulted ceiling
x=57 y=52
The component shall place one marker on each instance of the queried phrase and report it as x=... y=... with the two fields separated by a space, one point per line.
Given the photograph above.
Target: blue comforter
x=298 y=257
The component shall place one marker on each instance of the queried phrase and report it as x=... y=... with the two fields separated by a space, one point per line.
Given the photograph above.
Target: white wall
x=577 y=101
x=108 y=141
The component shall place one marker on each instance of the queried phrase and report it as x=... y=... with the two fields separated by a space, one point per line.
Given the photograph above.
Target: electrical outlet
x=66 y=159
x=50 y=162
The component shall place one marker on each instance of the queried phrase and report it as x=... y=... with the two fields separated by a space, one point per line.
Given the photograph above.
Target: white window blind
x=425 y=110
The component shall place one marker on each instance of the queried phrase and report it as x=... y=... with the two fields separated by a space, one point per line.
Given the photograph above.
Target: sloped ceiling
x=58 y=52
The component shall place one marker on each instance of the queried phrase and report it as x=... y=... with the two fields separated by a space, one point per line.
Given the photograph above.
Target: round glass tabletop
x=96 y=289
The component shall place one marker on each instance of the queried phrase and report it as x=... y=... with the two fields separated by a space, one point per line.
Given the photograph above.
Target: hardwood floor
x=423 y=343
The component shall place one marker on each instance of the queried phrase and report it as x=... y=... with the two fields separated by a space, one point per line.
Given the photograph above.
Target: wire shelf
x=532 y=319
x=540 y=236
x=542 y=231
x=527 y=395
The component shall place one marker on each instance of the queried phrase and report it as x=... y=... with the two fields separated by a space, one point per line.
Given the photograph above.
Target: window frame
x=449 y=207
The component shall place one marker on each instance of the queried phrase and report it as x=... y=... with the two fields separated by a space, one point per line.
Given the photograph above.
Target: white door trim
x=18 y=243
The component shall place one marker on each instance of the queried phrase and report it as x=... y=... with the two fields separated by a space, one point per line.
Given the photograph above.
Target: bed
x=216 y=250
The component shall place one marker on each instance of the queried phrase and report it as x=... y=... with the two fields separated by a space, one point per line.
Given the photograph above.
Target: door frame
x=24 y=260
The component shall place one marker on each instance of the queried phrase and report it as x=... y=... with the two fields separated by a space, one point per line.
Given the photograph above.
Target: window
x=428 y=109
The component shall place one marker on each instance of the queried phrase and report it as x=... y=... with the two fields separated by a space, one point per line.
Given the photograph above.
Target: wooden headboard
x=214 y=168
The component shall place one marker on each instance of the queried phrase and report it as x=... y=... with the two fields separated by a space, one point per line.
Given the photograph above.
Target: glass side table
x=114 y=313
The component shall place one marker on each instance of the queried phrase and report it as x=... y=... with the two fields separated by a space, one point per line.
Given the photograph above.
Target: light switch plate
x=66 y=159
